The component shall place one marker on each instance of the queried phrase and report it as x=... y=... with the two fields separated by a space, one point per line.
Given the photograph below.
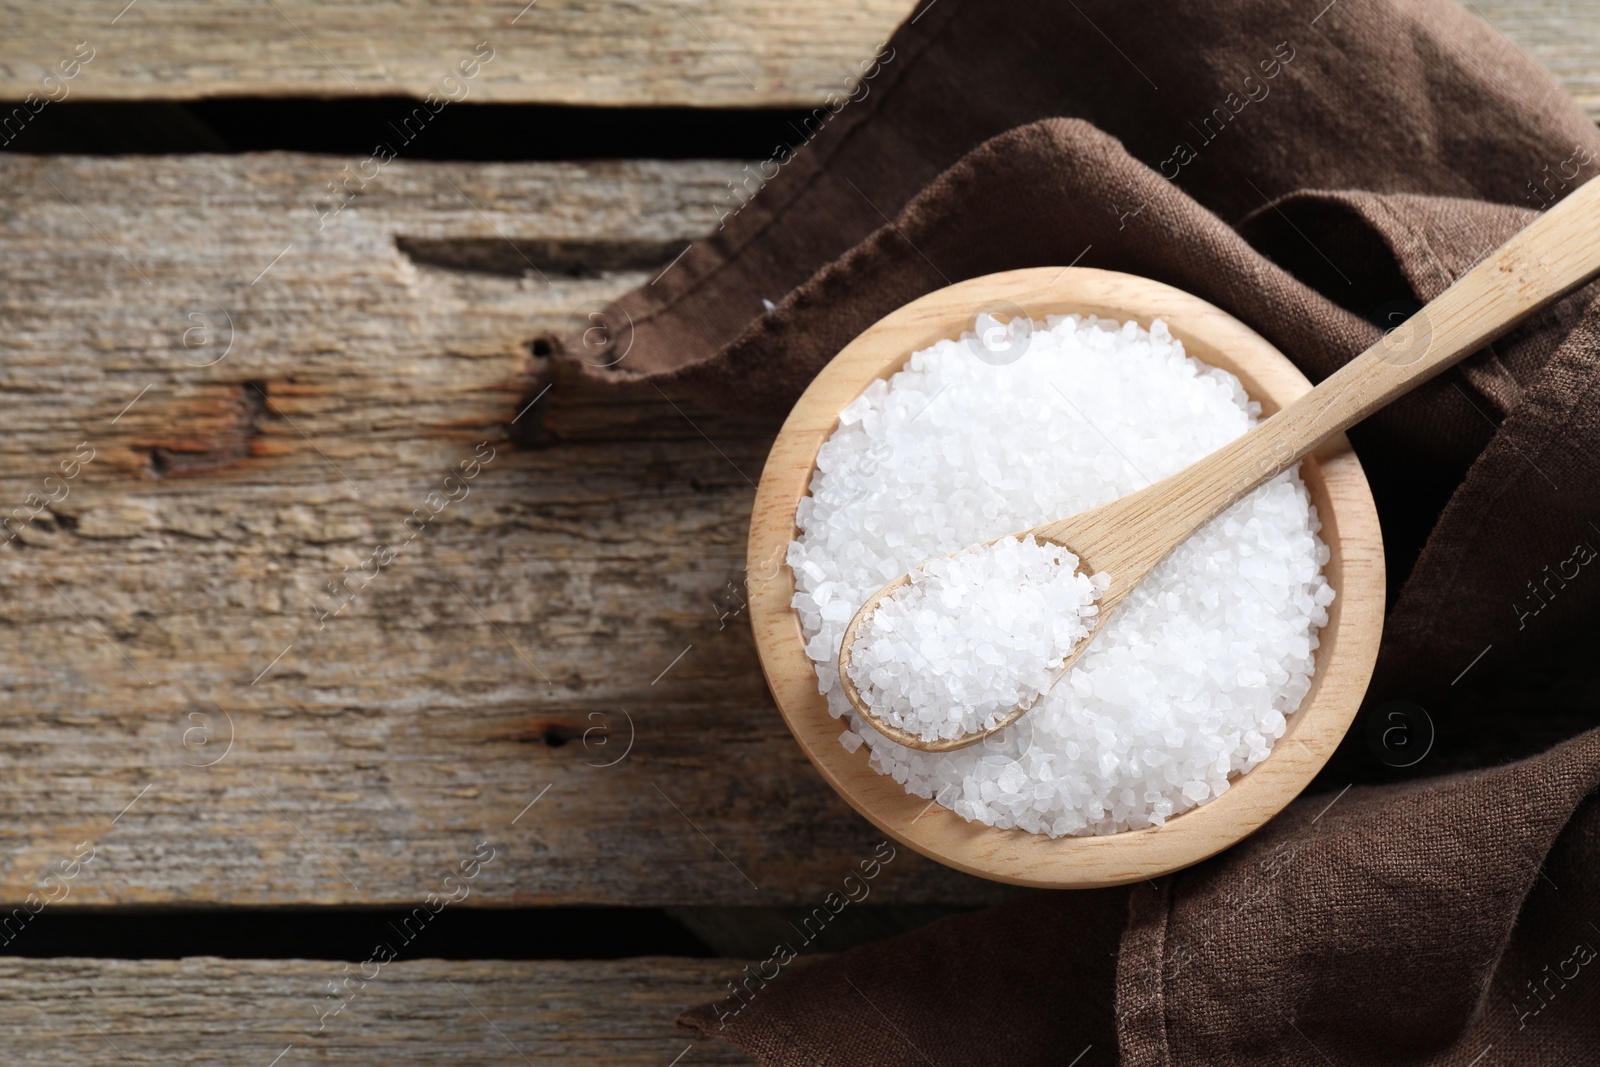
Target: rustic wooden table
x=219 y=397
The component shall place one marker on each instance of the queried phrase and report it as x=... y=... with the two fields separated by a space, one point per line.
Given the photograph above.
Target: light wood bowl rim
x=1345 y=658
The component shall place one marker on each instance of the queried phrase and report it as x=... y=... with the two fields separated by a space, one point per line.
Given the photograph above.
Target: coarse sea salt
x=972 y=636
x=1188 y=684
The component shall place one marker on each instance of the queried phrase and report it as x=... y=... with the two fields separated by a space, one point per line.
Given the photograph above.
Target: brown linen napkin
x=1370 y=928
x=1316 y=169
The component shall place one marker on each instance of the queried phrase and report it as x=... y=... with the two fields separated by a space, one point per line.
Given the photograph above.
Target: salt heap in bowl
x=1188 y=684
x=972 y=636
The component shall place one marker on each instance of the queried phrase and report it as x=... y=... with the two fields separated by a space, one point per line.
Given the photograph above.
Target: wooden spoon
x=1127 y=538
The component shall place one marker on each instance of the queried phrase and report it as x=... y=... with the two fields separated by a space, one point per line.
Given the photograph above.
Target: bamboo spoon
x=1128 y=537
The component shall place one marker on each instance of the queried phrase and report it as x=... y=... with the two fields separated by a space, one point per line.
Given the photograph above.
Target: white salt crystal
x=1187 y=685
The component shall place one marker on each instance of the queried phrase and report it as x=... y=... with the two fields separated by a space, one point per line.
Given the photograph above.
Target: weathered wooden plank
x=697 y=53
x=502 y=654
x=694 y=53
x=1563 y=35
x=216 y=1012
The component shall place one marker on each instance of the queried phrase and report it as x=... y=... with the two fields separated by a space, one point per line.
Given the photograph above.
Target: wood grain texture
x=692 y=53
x=215 y=1012
x=1563 y=35
x=1344 y=658
x=505 y=649
x=697 y=53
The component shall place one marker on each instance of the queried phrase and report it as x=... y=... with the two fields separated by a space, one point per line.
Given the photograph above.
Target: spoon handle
x=1553 y=255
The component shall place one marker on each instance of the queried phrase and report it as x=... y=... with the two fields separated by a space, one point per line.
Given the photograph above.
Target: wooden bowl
x=1344 y=661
